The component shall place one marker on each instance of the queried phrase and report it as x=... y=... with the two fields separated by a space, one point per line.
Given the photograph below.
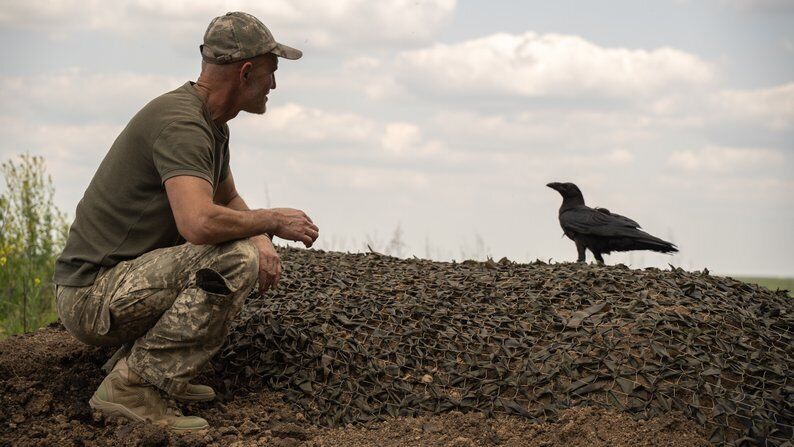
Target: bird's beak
x=553 y=185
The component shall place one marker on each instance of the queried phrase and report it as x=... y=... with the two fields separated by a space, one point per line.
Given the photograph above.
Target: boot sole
x=111 y=409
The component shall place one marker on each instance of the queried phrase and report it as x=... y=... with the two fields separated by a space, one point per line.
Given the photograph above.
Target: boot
x=124 y=393
x=196 y=393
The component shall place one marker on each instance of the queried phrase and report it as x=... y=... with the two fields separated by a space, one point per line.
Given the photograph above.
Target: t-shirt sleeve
x=184 y=148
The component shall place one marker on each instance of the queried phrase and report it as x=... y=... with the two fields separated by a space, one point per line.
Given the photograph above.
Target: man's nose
x=273 y=82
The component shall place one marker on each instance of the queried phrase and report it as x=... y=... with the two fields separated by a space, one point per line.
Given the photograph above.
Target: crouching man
x=163 y=250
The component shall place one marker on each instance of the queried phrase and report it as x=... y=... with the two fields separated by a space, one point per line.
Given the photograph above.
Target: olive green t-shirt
x=125 y=211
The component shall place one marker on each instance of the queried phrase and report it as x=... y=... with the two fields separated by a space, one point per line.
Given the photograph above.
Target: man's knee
x=238 y=262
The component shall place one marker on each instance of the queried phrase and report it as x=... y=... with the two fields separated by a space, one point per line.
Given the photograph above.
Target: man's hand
x=269 y=263
x=295 y=225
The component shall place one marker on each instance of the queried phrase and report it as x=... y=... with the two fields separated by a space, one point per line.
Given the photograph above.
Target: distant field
x=771 y=283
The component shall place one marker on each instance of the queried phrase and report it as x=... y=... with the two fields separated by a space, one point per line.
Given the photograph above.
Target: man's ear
x=245 y=70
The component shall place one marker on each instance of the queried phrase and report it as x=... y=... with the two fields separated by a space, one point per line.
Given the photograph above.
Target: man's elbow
x=196 y=232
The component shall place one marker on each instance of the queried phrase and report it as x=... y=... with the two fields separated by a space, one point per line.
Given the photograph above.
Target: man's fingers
x=269 y=273
x=310 y=227
x=265 y=284
x=275 y=273
x=314 y=234
x=264 y=279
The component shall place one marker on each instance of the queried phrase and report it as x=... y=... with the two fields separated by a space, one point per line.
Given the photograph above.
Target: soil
x=47 y=377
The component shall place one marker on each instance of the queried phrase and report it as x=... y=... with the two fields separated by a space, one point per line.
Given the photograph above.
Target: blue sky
x=445 y=119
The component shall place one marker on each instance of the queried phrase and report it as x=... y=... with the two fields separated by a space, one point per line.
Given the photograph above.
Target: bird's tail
x=647 y=242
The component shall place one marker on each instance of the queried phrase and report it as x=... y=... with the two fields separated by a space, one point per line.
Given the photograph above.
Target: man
x=127 y=276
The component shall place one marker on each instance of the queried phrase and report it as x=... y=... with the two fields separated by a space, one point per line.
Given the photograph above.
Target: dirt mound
x=46 y=379
x=360 y=338
x=426 y=353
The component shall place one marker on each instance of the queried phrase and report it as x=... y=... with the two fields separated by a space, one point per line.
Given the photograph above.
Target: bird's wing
x=625 y=219
x=586 y=220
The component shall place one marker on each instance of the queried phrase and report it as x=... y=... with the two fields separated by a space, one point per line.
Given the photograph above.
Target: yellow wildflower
x=3 y=261
x=36 y=281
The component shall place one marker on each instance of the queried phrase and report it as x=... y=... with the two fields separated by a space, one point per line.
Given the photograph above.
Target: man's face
x=258 y=81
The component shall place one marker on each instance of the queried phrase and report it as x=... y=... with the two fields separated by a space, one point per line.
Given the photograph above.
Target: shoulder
x=177 y=109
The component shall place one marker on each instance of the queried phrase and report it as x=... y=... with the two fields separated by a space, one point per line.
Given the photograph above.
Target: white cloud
x=614 y=158
x=380 y=140
x=76 y=94
x=72 y=152
x=733 y=190
x=406 y=140
x=358 y=177
x=69 y=143
x=717 y=159
x=621 y=157
x=548 y=130
x=533 y=65
x=773 y=106
x=317 y=23
x=297 y=122
x=765 y=6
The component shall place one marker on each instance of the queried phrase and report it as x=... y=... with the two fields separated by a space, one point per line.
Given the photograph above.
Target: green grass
x=771 y=283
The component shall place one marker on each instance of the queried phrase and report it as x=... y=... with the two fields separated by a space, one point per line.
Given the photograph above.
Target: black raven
x=599 y=230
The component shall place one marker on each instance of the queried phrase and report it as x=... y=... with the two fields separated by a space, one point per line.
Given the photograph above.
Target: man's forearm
x=228 y=219
x=237 y=203
x=221 y=224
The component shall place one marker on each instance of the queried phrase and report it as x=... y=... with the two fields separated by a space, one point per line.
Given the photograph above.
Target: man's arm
x=269 y=260
x=200 y=220
x=227 y=195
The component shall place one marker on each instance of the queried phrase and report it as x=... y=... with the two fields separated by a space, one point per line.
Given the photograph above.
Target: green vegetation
x=32 y=233
x=771 y=283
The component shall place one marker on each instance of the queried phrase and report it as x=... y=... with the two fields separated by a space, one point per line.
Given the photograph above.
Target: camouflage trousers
x=170 y=307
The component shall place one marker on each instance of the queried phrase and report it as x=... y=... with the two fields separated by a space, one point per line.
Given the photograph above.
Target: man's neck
x=217 y=101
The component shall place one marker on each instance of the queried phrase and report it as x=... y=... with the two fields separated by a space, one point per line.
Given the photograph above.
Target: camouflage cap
x=237 y=36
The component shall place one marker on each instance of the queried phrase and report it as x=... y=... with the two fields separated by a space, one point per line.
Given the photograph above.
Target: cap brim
x=286 y=52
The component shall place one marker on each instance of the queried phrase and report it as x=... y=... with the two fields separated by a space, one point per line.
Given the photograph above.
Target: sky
x=430 y=128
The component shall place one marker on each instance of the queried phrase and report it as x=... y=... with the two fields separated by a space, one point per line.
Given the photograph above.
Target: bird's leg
x=598 y=258
x=581 y=249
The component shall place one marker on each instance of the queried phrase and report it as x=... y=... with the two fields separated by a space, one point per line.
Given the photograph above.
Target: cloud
x=547 y=130
x=765 y=6
x=314 y=23
x=76 y=95
x=357 y=177
x=536 y=65
x=735 y=191
x=349 y=133
x=78 y=144
x=621 y=157
x=72 y=152
x=406 y=140
x=716 y=159
x=773 y=106
x=300 y=123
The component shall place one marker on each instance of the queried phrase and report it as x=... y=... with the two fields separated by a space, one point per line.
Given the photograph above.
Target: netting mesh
x=356 y=338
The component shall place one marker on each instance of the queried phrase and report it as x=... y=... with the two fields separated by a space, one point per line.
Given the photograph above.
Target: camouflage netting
x=360 y=337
